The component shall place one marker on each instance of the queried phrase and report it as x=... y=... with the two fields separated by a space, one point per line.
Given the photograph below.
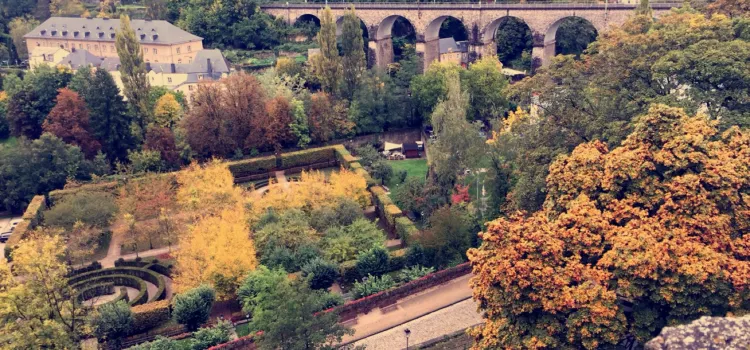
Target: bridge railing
x=583 y=4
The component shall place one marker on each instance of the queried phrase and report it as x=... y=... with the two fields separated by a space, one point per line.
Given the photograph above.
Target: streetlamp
x=407 y=332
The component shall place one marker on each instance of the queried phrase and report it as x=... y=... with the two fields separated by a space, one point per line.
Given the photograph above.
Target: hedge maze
x=133 y=274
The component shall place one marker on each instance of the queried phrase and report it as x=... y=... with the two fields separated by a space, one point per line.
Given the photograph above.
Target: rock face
x=705 y=333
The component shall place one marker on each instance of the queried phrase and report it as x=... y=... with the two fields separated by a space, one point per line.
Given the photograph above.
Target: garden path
x=449 y=320
x=281 y=178
x=412 y=307
x=113 y=252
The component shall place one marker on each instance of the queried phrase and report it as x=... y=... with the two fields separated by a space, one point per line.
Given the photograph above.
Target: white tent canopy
x=392 y=147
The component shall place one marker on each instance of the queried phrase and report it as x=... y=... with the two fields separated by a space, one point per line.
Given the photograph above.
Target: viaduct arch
x=480 y=20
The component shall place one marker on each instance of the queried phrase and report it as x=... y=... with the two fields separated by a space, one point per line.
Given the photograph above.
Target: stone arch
x=381 y=39
x=306 y=16
x=550 y=36
x=488 y=35
x=432 y=38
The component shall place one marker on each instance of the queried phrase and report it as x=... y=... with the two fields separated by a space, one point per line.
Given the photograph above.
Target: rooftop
x=447 y=45
x=104 y=29
x=198 y=65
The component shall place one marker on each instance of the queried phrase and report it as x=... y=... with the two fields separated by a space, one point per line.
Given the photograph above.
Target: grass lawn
x=242 y=329
x=413 y=167
x=10 y=142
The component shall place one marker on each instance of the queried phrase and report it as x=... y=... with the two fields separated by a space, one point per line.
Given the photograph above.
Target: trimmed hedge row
x=386 y=208
x=96 y=290
x=253 y=166
x=150 y=315
x=405 y=229
x=242 y=343
x=30 y=219
x=307 y=157
x=159 y=268
x=142 y=273
x=109 y=187
x=348 y=269
x=343 y=156
x=388 y=297
x=118 y=280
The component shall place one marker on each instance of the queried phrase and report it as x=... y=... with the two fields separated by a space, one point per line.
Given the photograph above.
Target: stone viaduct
x=480 y=20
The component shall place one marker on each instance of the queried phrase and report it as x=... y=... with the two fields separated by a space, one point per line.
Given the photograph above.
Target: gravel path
x=437 y=324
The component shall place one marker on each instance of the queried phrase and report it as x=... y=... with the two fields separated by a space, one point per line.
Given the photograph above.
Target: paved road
x=411 y=308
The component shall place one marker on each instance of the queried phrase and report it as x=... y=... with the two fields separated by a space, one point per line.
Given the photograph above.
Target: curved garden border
x=135 y=277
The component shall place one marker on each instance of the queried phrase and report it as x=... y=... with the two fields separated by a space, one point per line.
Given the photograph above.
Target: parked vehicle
x=5 y=236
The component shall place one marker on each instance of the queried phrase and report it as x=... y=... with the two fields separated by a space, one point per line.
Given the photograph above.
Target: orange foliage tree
x=69 y=120
x=651 y=233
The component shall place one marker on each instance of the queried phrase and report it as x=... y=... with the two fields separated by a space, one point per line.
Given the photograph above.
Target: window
x=179 y=60
x=169 y=80
x=96 y=47
x=154 y=51
x=190 y=49
x=190 y=60
x=112 y=48
x=145 y=51
x=190 y=87
x=88 y=46
x=178 y=50
x=80 y=46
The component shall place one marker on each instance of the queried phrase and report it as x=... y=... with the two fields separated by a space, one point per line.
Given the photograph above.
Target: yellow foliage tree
x=312 y=192
x=39 y=311
x=217 y=250
x=167 y=111
x=206 y=190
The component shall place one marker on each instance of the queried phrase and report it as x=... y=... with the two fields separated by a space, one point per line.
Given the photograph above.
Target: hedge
x=90 y=267
x=307 y=157
x=343 y=156
x=388 y=297
x=392 y=212
x=109 y=187
x=96 y=290
x=118 y=280
x=145 y=274
x=253 y=166
x=370 y=181
x=150 y=315
x=243 y=343
x=348 y=269
x=160 y=268
x=30 y=219
x=405 y=229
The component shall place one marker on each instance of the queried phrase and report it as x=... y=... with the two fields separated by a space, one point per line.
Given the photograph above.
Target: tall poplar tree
x=354 y=61
x=108 y=117
x=133 y=70
x=328 y=63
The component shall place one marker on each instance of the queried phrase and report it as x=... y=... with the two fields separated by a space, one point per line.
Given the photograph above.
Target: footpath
x=453 y=292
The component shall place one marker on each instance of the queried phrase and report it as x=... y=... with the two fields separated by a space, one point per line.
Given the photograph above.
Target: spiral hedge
x=101 y=282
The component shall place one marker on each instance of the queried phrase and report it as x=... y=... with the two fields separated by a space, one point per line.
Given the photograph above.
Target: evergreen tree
x=328 y=63
x=133 y=70
x=108 y=116
x=352 y=44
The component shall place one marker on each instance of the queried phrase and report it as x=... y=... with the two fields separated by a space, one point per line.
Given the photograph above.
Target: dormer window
x=143 y=36
x=86 y=34
x=101 y=34
x=65 y=33
x=75 y=34
x=155 y=36
x=43 y=32
x=54 y=32
x=111 y=35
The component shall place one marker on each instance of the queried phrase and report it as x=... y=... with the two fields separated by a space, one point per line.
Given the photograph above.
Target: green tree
x=458 y=145
x=381 y=170
x=320 y=273
x=109 y=119
x=432 y=86
x=95 y=209
x=449 y=233
x=353 y=61
x=513 y=38
x=193 y=307
x=31 y=100
x=328 y=63
x=156 y=9
x=133 y=70
x=37 y=167
x=258 y=284
x=373 y=262
x=81 y=81
x=112 y=322
x=290 y=318
x=485 y=83
x=19 y=27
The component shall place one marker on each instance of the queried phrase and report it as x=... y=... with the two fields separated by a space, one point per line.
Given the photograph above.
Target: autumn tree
x=167 y=112
x=223 y=114
x=327 y=119
x=69 y=120
x=353 y=61
x=650 y=233
x=143 y=200
x=162 y=139
x=81 y=242
x=208 y=189
x=272 y=128
x=31 y=99
x=66 y=8
x=133 y=70
x=327 y=64
x=39 y=307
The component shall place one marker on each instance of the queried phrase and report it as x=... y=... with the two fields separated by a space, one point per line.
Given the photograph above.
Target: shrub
x=391 y=213
x=320 y=273
x=95 y=209
x=381 y=170
x=112 y=322
x=207 y=337
x=193 y=307
x=405 y=229
x=409 y=274
x=151 y=315
x=397 y=259
x=367 y=155
x=401 y=176
x=373 y=261
x=347 y=211
x=348 y=271
x=415 y=255
x=252 y=166
x=371 y=285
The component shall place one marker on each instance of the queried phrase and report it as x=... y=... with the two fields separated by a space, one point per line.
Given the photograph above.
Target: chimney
x=209 y=68
x=174 y=69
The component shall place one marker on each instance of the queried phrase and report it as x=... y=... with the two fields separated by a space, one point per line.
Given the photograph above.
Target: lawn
x=242 y=329
x=413 y=167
